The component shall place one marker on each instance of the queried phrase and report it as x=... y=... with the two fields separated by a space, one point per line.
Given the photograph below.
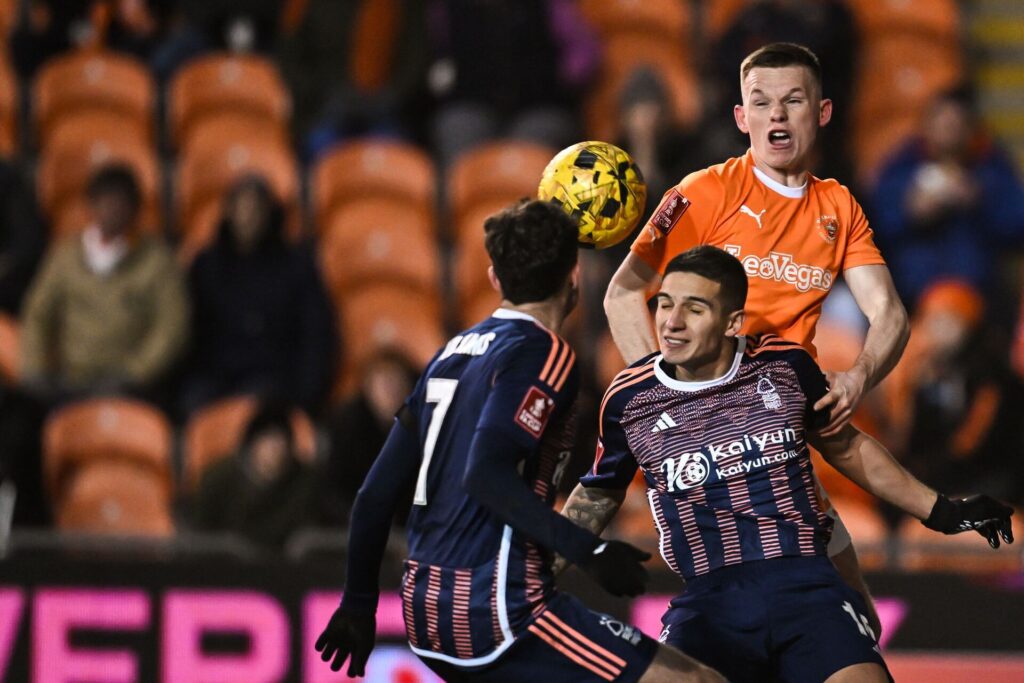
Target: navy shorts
x=566 y=643
x=787 y=619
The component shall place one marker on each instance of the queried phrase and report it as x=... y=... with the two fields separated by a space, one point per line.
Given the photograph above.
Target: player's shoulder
x=770 y=347
x=630 y=381
x=833 y=190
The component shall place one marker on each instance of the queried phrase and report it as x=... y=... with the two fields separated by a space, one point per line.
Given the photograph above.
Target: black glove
x=348 y=634
x=617 y=567
x=986 y=515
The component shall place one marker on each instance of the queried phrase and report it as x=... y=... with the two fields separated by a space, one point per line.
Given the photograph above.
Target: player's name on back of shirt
x=472 y=344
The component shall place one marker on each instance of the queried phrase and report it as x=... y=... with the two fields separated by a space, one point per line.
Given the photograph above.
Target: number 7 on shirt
x=439 y=391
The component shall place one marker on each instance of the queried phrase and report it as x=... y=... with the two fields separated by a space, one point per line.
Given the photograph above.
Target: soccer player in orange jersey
x=793 y=233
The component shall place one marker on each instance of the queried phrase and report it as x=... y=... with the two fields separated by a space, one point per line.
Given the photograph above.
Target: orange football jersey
x=793 y=242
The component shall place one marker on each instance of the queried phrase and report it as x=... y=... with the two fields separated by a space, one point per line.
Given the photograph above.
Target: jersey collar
x=508 y=314
x=779 y=188
x=679 y=385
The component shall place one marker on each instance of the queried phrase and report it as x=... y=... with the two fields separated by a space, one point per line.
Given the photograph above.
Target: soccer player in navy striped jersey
x=484 y=438
x=719 y=424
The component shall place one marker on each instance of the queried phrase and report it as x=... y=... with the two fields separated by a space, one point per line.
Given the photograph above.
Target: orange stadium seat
x=216 y=431
x=245 y=85
x=10 y=348
x=105 y=429
x=110 y=497
x=231 y=127
x=471 y=263
x=388 y=316
x=480 y=305
x=76 y=82
x=8 y=18
x=9 y=106
x=867 y=529
x=503 y=171
x=719 y=15
x=74 y=154
x=370 y=168
x=205 y=173
x=379 y=240
x=902 y=73
x=653 y=18
x=936 y=18
x=922 y=549
x=623 y=56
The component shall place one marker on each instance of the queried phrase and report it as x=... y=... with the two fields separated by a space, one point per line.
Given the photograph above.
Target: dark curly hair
x=533 y=248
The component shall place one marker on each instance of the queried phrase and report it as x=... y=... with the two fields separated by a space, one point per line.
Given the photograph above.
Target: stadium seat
x=719 y=15
x=75 y=153
x=387 y=316
x=9 y=106
x=10 y=348
x=379 y=240
x=110 y=497
x=245 y=85
x=372 y=168
x=937 y=19
x=922 y=549
x=90 y=80
x=499 y=171
x=216 y=431
x=656 y=19
x=105 y=429
x=220 y=128
x=206 y=173
x=623 y=56
x=8 y=18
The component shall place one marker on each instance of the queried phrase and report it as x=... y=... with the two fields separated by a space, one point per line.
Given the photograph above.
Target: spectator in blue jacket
x=949 y=203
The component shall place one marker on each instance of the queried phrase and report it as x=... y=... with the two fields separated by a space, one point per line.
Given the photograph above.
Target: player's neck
x=790 y=177
x=707 y=371
x=550 y=314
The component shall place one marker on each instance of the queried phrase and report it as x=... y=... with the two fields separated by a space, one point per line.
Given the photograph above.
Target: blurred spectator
x=824 y=26
x=262 y=319
x=360 y=427
x=507 y=68
x=948 y=203
x=358 y=69
x=107 y=311
x=22 y=237
x=951 y=407
x=47 y=28
x=264 y=492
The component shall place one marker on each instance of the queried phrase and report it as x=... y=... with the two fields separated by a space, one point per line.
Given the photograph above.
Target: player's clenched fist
x=618 y=568
x=984 y=514
x=348 y=634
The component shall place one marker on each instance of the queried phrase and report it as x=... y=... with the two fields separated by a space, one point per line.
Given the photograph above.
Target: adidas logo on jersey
x=664 y=422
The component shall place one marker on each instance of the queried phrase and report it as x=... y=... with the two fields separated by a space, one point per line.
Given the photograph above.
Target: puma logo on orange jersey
x=756 y=216
x=782 y=268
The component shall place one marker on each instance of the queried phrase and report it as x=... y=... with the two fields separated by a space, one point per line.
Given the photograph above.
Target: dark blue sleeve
x=389 y=479
x=814 y=386
x=614 y=463
x=530 y=385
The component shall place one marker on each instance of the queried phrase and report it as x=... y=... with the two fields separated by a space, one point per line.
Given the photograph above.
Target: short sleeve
x=682 y=220
x=614 y=463
x=814 y=386
x=532 y=382
x=860 y=247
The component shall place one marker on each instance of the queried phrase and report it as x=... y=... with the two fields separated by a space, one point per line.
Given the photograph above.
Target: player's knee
x=859 y=673
x=671 y=666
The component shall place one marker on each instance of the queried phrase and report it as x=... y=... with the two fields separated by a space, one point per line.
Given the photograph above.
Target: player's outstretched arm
x=351 y=631
x=625 y=304
x=492 y=478
x=866 y=462
x=592 y=508
x=888 y=332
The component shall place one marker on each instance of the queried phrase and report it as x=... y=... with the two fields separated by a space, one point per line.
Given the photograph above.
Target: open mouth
x=779 y=138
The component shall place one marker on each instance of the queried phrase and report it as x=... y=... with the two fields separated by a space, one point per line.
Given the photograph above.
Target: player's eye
x=696 y=310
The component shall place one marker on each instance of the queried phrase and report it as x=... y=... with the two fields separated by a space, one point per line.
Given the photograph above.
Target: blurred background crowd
x=232 y=232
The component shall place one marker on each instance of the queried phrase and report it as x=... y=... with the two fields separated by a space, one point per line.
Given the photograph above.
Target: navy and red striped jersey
x=726 y=463
x=472 y=583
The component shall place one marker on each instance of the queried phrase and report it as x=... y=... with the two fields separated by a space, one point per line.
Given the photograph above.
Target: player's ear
x=825 y=112
x=740 y=114
x=736 y=319
x=492 y=277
